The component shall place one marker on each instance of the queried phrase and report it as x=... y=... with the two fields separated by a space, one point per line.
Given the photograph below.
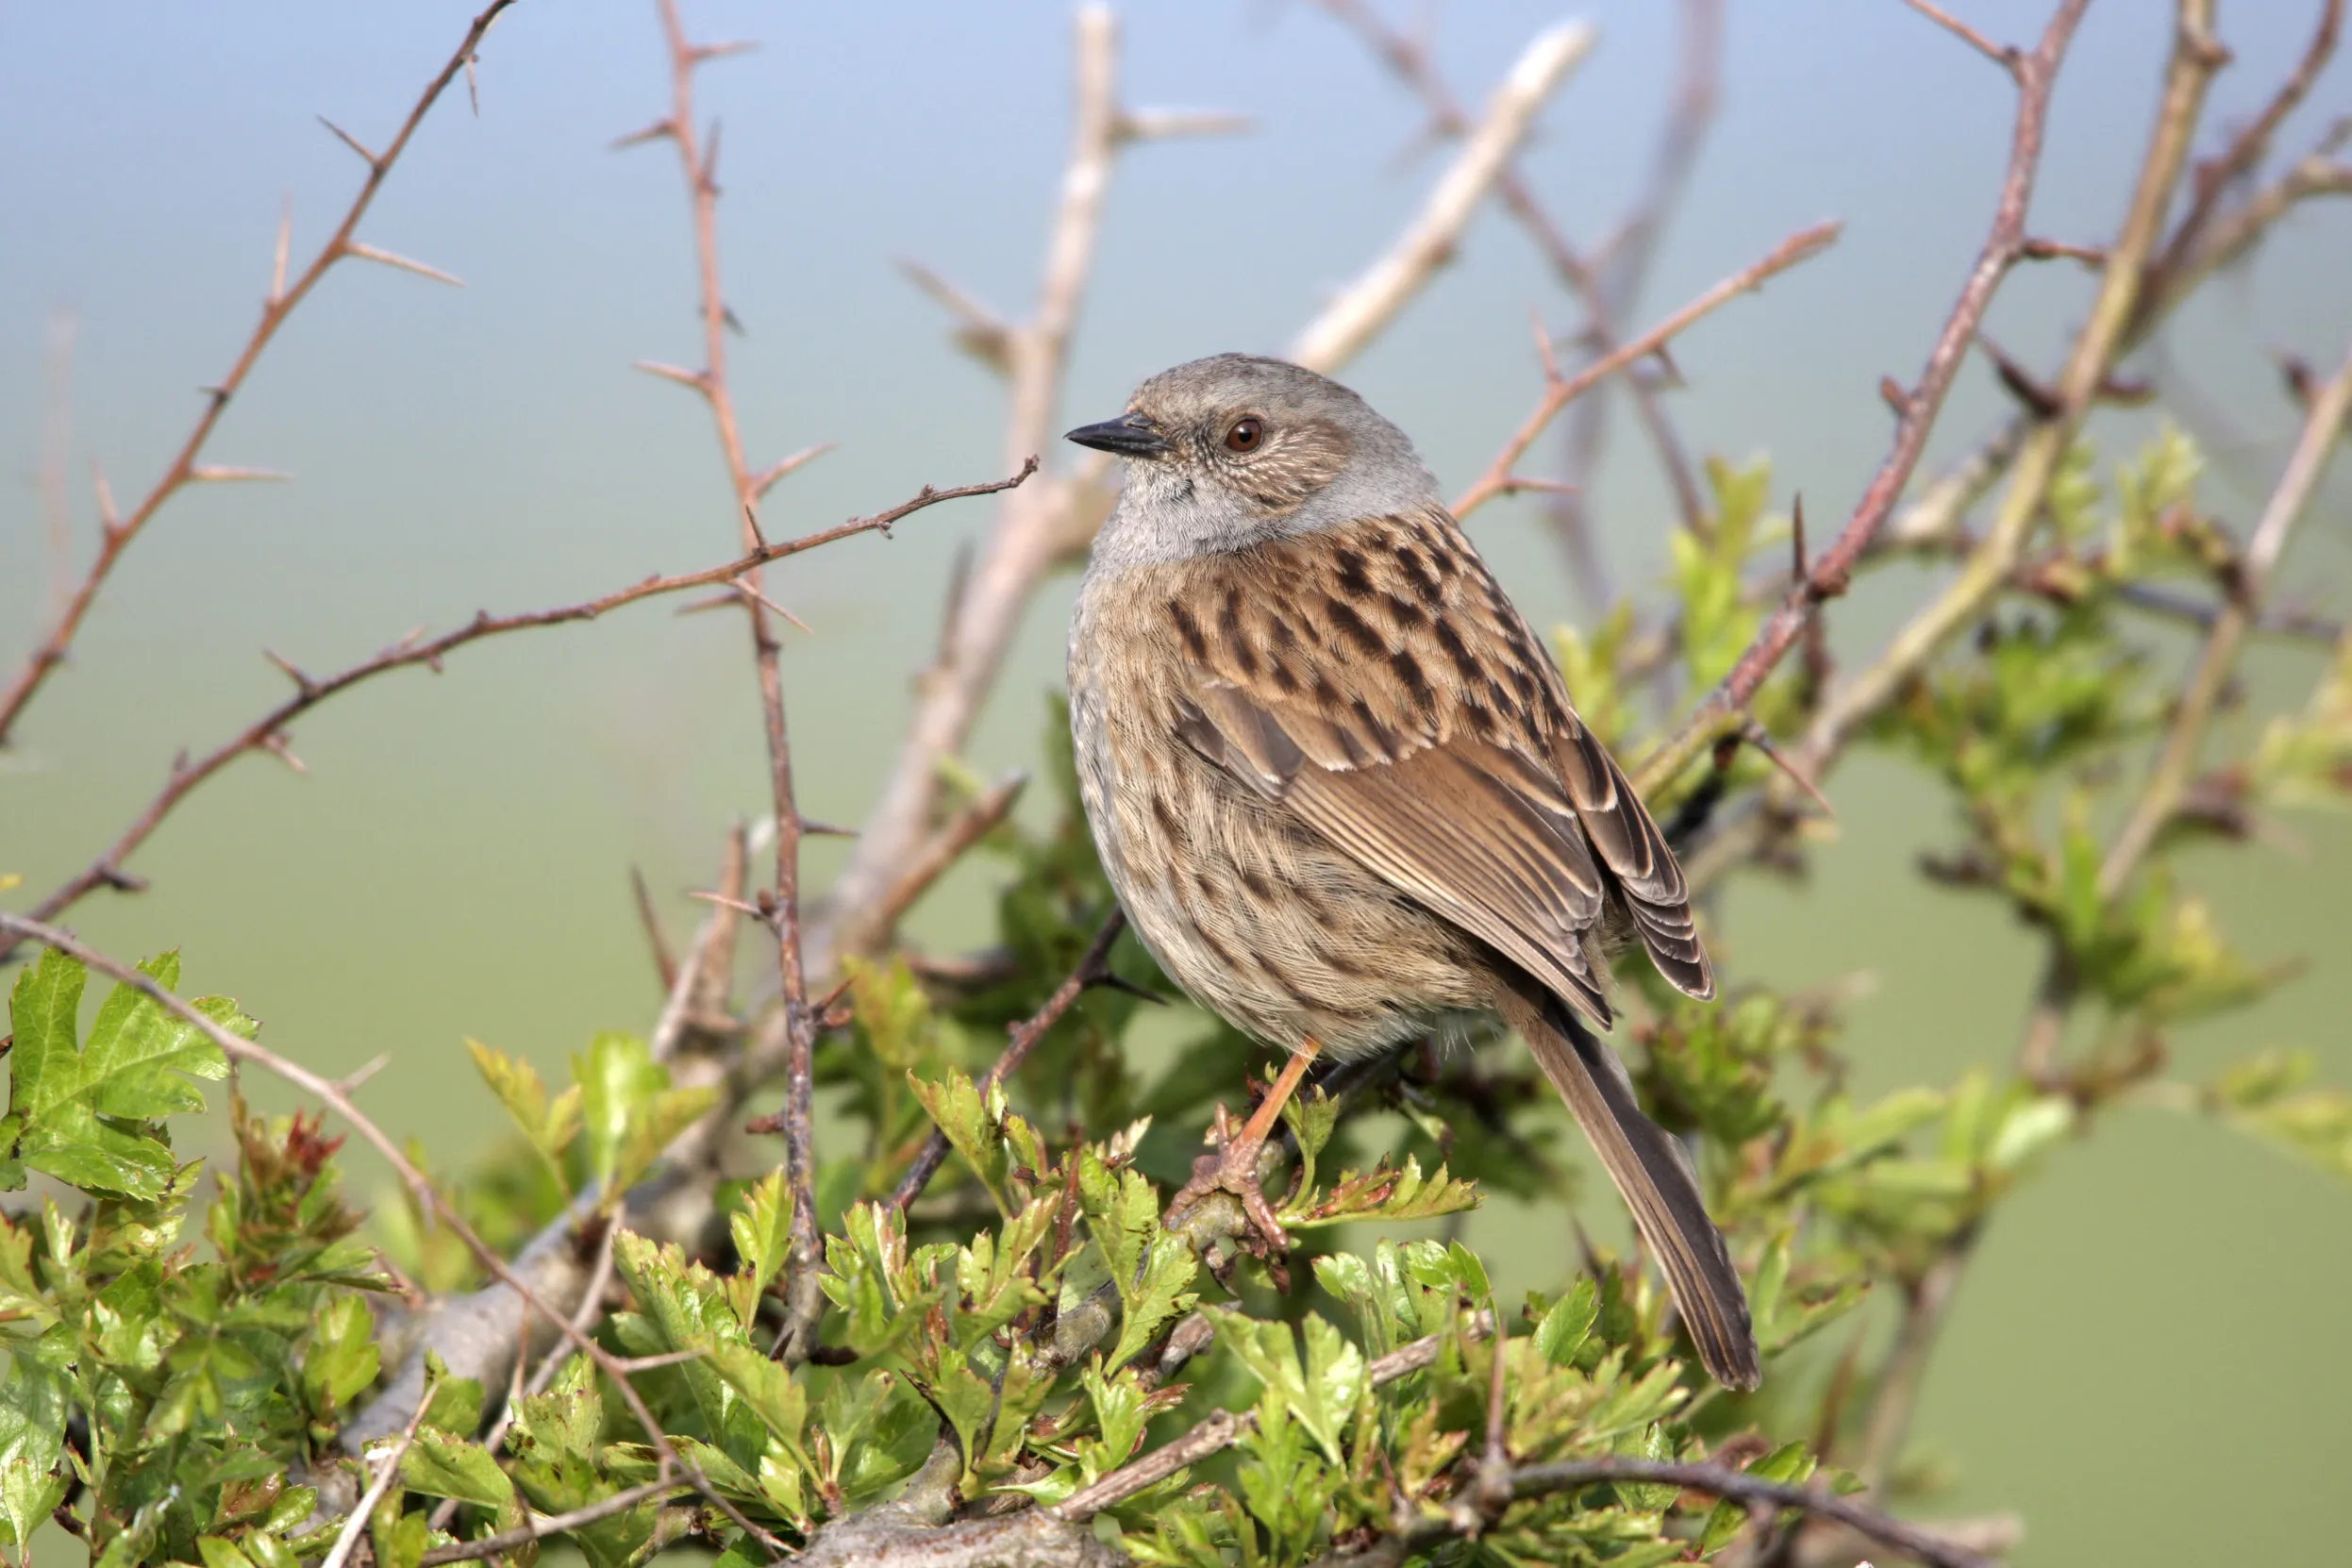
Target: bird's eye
x=1245 y=435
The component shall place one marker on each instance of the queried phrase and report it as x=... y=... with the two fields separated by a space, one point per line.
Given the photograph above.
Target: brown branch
x=2102 y=338
x=1559 y=390
x=186 y=774
x=1091 y=968
x=115 y=535
x=428 y=1197
x=1780 y=631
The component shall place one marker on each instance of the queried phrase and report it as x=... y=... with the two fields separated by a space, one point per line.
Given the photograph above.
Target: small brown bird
x=1340 y=791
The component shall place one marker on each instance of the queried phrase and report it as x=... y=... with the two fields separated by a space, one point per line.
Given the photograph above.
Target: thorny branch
x=116 y=533
x=1917 y=408
x=269 y=732
x=697 y=161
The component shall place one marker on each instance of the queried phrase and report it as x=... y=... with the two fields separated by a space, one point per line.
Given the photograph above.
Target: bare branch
x=1369 y=304
x=541 y=1526
x=406 y=265
x=182 y=470
x=1558 y=393
x=186 y=774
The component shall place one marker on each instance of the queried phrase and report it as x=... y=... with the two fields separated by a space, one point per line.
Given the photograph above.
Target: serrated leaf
x=519 y=1087
x=442 y=1464
x=34 y=1400
x=974 y=1127
x=1789 y=1463
x=1320 y=1392
x=1387 y=1194
x=618 y=1079
x=341 y=1358
x=1648 y=1496
x=1149 y=1268
x=1568 y=1323
x=762 y=1231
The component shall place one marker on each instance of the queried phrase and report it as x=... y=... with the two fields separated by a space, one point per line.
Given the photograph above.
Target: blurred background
x=2150 y=1359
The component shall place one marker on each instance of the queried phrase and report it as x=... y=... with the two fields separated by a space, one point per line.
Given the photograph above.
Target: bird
x=1342 y=795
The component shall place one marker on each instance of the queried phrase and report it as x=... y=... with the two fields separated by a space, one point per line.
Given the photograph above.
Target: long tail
x=1653 y=1173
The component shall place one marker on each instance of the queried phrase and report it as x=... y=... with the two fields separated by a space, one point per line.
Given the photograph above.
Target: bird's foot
x=1233 y=1167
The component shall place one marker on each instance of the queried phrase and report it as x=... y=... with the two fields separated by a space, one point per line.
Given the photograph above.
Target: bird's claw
x=1233 y=1167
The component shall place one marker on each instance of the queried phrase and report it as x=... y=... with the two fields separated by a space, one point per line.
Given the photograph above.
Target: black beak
x=1128 y=435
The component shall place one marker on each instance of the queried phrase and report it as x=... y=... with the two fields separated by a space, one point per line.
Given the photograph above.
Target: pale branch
x=428 y=1197
x=1366 y=307
x=116 y=535
x=1091 y=966
x=974 y=822
x=107 y=869
x=348 y=1537
x=2103 y=337
x=1030 y=530
x=1559 y=390
x=2175 y=760
x=1782 y=630
x=539 y=1526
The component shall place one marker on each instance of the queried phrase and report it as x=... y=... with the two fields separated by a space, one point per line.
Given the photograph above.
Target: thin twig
x=968 y=826
x=186 y=774
x=184 y=469
x=539 y=1527
x=340 y=1553
x=1089 y=968
x=1559 y=392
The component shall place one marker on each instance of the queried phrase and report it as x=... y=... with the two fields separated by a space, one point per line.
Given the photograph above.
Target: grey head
x=1235 y=450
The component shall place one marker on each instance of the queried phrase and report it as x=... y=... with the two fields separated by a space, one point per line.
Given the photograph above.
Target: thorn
x=765 y=1126
x=2039 y=401
x=979 y=331
x=717 y=601
x=654 y=133
x=1755 y=736
x=284 y=238
x=276 y=744
x=1796 y=537
x=665 y=965
x=212 y=474
x=107 y=516
x=365 y=1071
x=736 y=904
x=751 y=521
x=1668 y=369
x=1157 y=125
x=121 y=880
x=697 y=379
x=473 y=88
x=2051 y=250
x=1892 y=394
x=385 y=258
x=810 y=827
x=1544 y=347
x=703 y=53
x=1514 y=483
x=1108 y=981
x=766 y=479
x=352 y=142
x=2302 y=383
x=734 y=323
x=303 y=683
x=744 y=588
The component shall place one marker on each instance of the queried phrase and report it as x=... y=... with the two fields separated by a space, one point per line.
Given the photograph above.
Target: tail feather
x=1651 y=1171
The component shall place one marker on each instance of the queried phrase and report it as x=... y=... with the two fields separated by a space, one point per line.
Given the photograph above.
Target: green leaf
x=137 y=1050
x=1648 y=1496
x=1565 y=1327
x=1149 y=1268
x=1789 y=1463
x=618 y=1080
x=762 y=1229
x=34 y=1398
x=974 y=1127
x=442 y=1464
x=550 y=1126
x=1320 y=1392
x=342 y=1360
x=219 y=1552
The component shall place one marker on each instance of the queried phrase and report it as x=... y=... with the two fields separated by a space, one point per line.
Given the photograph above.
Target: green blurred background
x=2150 y=1359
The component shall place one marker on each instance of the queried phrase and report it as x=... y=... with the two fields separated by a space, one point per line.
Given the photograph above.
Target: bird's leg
x=1233 y=1168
